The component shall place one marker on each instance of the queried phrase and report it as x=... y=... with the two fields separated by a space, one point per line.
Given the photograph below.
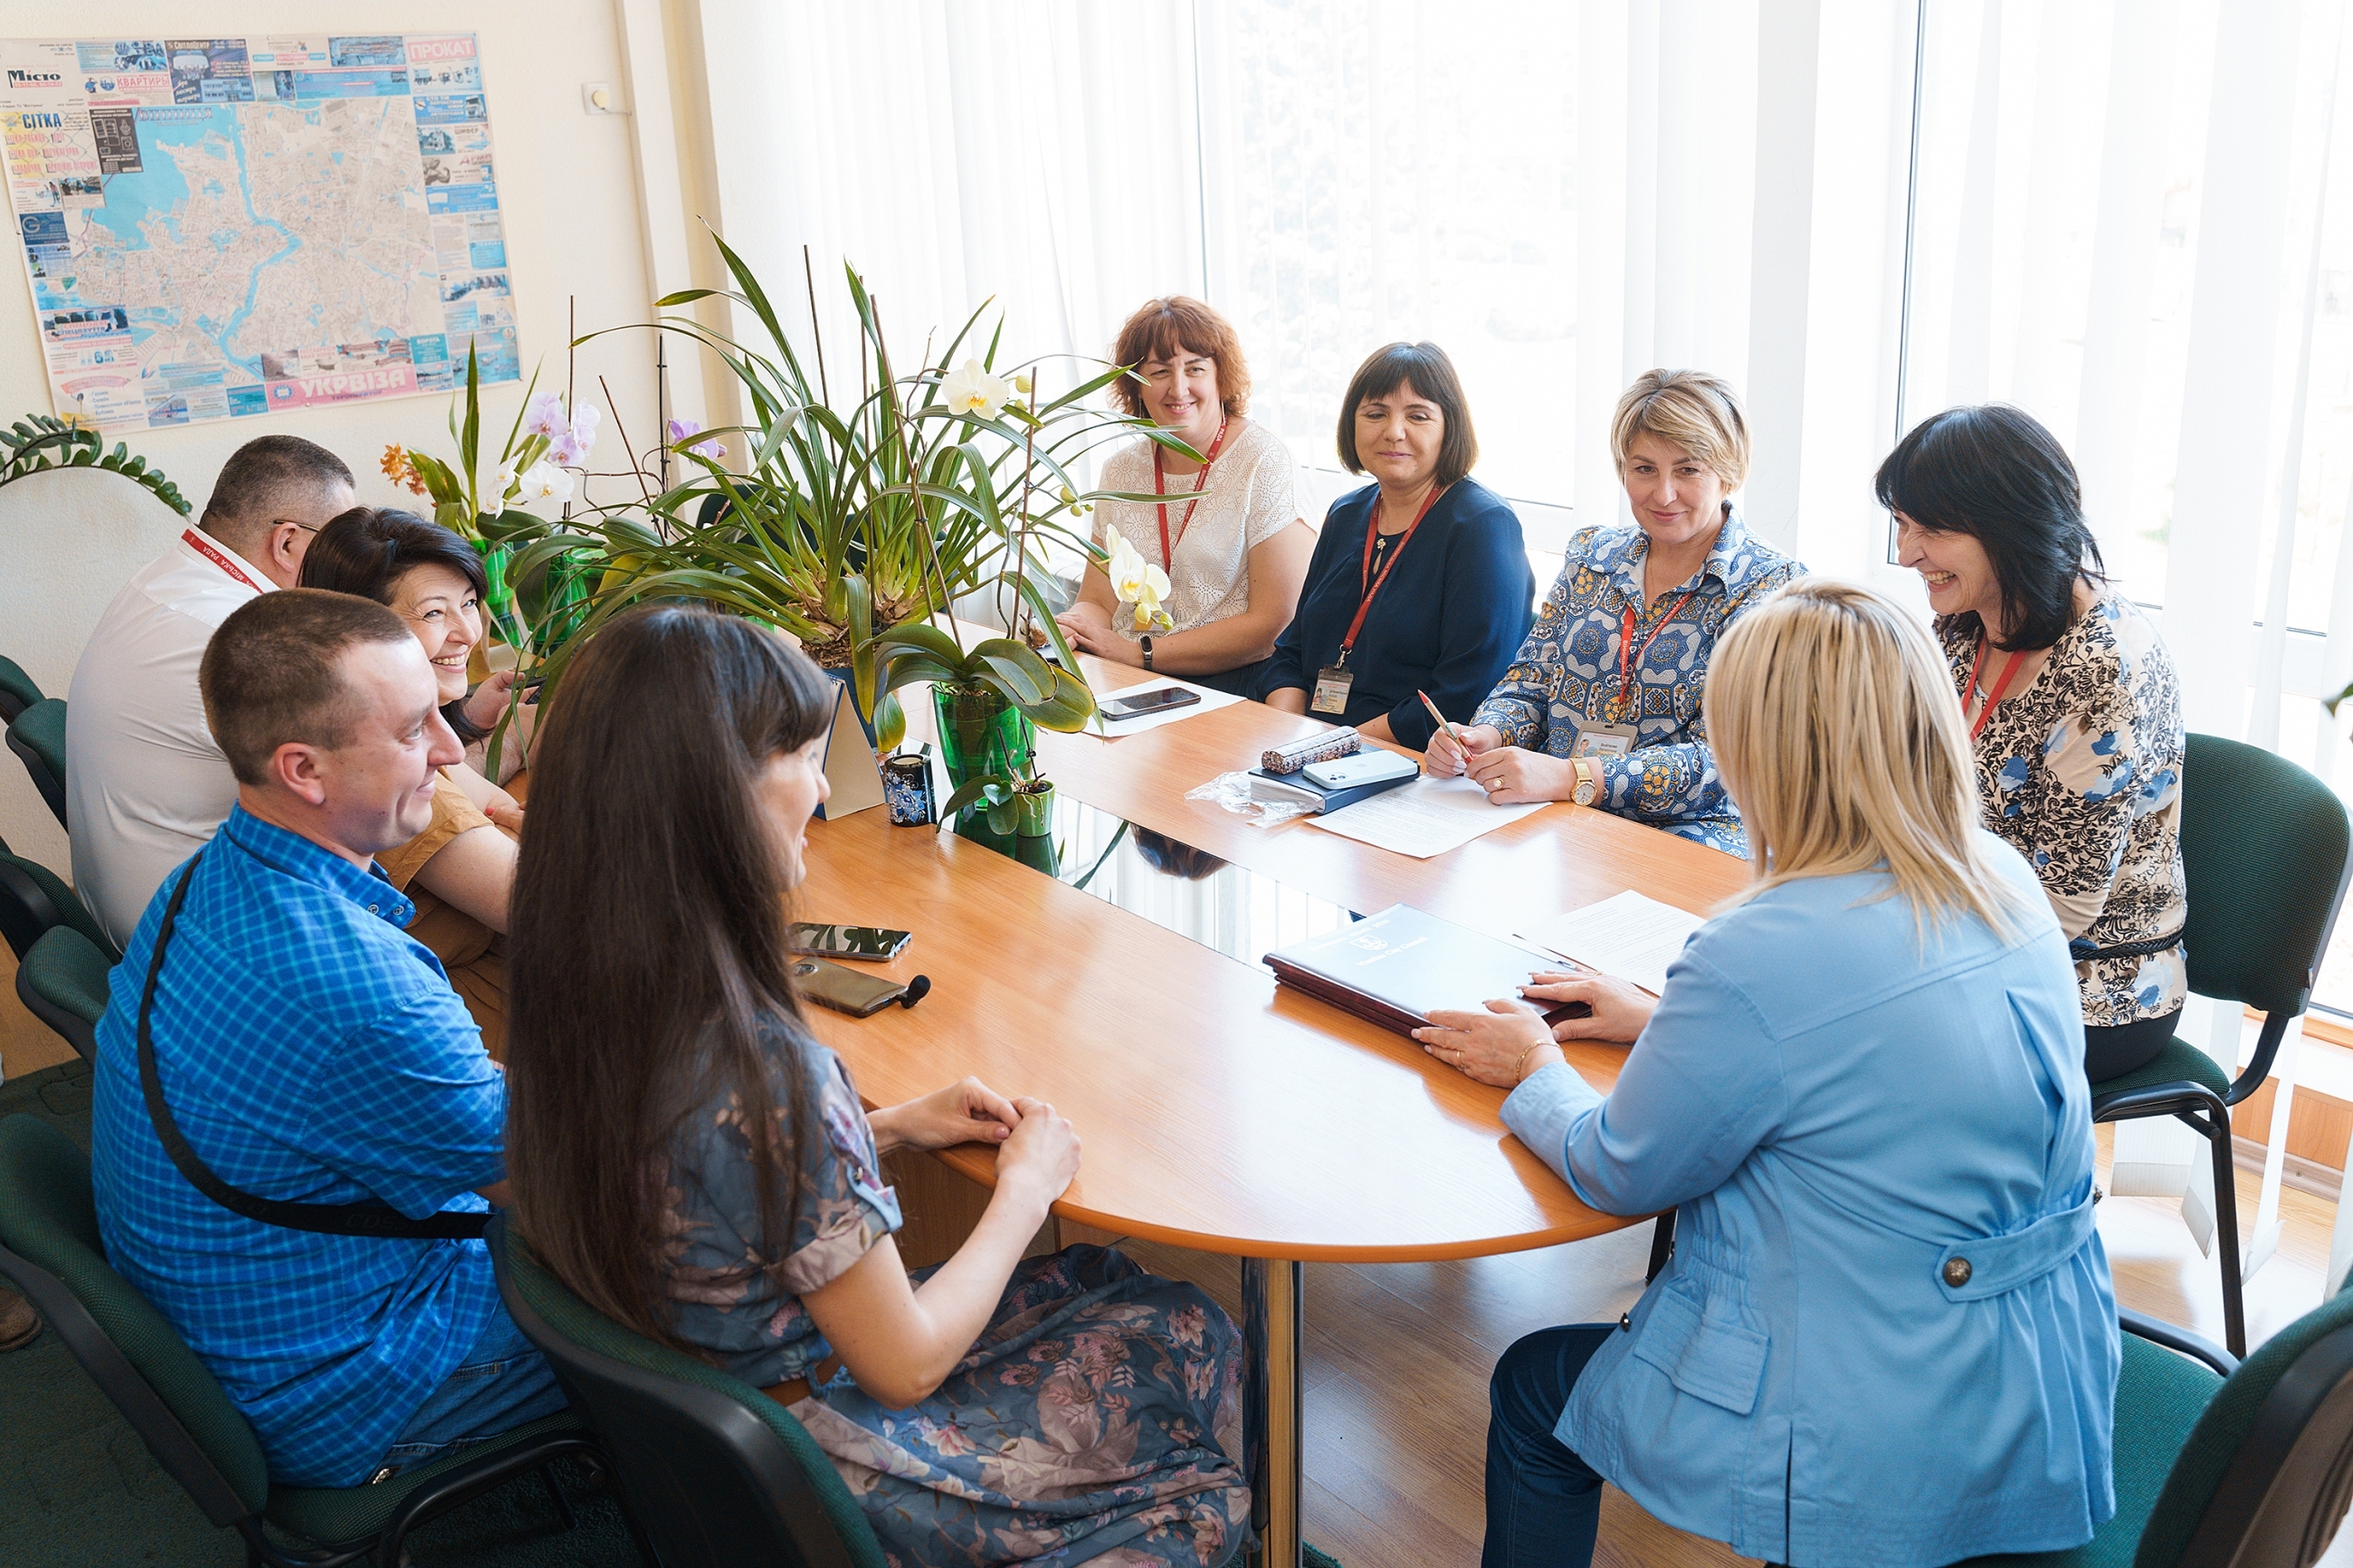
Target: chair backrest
x=2267 y=848
x=32 y=899
x=49 y=1245
x=18 y=691
x=711 y=1470
x=38 y=736
x=2267 y=1472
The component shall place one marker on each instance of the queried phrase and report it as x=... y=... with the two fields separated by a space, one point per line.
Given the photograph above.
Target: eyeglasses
x=289 y=522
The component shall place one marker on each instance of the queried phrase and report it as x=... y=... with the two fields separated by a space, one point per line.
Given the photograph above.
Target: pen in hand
x=1443 y=721
x=1453 y=729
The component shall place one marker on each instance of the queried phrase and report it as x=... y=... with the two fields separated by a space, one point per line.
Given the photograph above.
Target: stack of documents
x=1630 y=936
x=1427 y=817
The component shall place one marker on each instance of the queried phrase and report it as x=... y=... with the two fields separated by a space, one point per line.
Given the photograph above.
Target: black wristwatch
x=1146 y=641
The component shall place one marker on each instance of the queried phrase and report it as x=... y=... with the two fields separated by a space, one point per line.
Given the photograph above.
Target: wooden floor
x=1399 y=1354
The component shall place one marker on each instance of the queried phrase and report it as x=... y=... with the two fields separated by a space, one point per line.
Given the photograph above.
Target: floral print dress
x=1567 y=672
x=1097 y=1419
x=2081 y=772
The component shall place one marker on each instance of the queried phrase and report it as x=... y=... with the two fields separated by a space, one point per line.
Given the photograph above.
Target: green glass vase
x=980 y=732
x=1033 y=830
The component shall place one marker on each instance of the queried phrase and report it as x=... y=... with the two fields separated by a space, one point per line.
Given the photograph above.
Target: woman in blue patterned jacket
x=1602 y=705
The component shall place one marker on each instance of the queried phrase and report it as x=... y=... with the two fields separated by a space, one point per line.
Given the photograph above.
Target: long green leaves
x=854 y=521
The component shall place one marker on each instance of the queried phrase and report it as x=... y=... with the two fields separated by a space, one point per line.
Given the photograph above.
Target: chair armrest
x=2158 y=1331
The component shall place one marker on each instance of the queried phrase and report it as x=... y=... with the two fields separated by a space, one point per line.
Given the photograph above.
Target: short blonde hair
x=1687 y=408
x=1836 y=732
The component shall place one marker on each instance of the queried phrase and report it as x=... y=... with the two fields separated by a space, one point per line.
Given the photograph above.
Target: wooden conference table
x=1219 y=1111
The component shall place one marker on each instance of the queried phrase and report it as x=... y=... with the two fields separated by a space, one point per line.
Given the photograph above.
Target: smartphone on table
x=872 y=945
x=1117 y=707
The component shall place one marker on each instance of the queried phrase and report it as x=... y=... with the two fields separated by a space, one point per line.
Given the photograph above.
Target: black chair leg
x=1662 y=1245
x=2217 y=1129
x=555 y=1496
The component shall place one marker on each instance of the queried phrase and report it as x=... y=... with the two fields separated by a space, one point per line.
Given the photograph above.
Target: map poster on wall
x=214 y=227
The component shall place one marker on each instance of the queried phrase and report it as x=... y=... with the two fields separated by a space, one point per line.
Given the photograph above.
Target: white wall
x=569 y=199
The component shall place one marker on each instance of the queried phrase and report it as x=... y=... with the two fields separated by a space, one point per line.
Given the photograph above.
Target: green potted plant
x=534 y=606
x=41 y=441
x=855 y=522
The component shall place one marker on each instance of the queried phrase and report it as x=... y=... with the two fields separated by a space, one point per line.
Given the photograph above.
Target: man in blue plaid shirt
x=311 y=1052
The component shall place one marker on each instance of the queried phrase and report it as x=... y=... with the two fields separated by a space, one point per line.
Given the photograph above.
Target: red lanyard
x=1369 y=584
x=2000 y=685
x=1630 y=654
x=204 y=547
x=1159 y=488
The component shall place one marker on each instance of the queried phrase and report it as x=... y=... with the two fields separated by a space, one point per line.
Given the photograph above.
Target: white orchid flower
x=501 y=488
x=969 y=389
x=1139 y=582
x=545 y=416
x=584 y=420
x=545 y=481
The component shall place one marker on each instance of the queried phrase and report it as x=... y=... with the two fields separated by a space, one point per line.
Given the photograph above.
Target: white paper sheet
x=1628 y=935
x=1426 y=817
x=1111 y=728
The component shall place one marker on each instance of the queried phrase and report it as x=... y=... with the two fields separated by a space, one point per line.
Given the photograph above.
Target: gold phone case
x=844 y=990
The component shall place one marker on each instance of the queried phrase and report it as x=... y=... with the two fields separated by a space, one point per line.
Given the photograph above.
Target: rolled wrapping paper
x=1320 y=748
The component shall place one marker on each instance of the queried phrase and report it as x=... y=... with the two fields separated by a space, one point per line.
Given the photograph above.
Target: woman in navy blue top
x=1419 y=581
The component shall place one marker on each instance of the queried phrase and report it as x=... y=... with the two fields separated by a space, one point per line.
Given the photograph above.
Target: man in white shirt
x=145 y=785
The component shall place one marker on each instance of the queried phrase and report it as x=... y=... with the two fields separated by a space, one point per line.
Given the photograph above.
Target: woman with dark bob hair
x=459 y=871
x=1369 y=637
x=2072 y=702
x=687 y=1157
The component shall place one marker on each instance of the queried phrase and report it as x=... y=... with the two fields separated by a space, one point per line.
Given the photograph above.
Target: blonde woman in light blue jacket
x=1887 y=1335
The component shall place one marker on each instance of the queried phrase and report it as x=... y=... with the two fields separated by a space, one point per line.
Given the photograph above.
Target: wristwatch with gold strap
x=1588 y=781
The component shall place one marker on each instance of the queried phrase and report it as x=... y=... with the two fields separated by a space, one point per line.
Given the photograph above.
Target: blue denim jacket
x=1837 y=1111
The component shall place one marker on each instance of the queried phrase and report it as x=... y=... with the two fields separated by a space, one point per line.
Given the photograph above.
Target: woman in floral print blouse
x=689 y=1158
x=1602 y=705
x=2073 y=702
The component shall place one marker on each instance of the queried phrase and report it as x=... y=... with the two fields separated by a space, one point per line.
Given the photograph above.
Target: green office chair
x=62 y=982
x=2225 y=1464
x=51 y=1249
x=18 y=691
x=38 y=736
x=712 y=1471
x=33 y=899
x=2267 y=852
x=62 y=953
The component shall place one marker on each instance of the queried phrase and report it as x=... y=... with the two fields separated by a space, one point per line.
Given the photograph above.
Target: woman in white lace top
x=1230 y=536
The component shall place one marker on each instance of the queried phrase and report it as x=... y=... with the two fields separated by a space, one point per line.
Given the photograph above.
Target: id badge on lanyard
x=1603 y=740
x=1331 y=684
x=1333 y=681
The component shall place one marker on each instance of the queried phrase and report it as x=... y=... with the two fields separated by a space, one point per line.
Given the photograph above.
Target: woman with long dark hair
x=689 y=1159
x=2071 y=703
x=459 y=872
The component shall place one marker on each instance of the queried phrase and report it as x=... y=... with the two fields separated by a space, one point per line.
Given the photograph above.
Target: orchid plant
x=1138 y=581
x=545 y=447
x=853 y=521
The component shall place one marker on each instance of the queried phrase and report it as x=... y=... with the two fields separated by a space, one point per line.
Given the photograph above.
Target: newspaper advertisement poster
x=181 y=265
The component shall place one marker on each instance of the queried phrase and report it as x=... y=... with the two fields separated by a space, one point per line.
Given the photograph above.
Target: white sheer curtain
x=2132 y=217
x=1043 y=155
x=2125 y=224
